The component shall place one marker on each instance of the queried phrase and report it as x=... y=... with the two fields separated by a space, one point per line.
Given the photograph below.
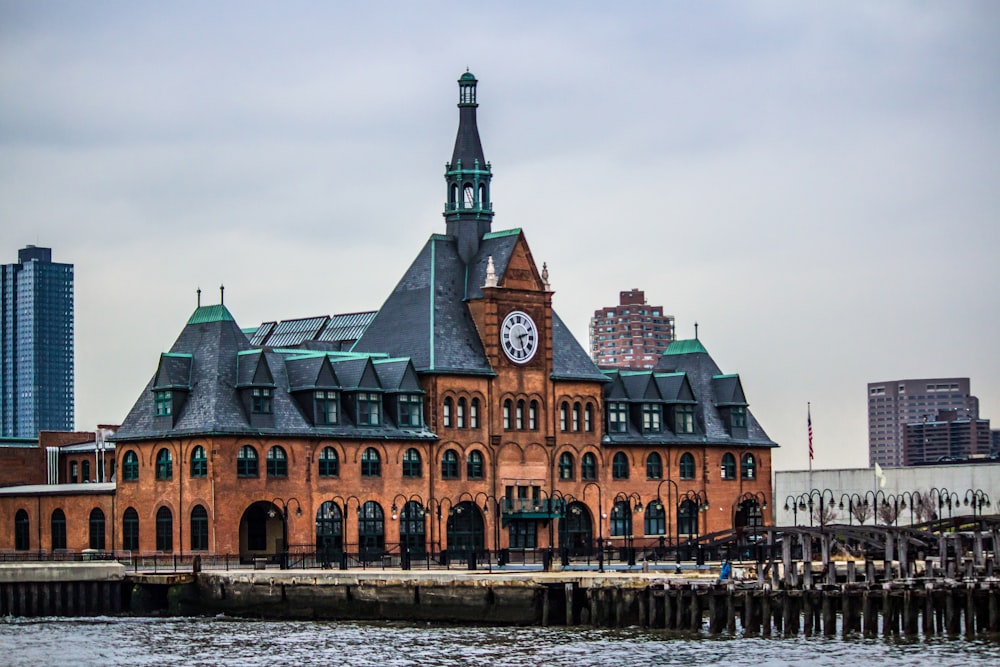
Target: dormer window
x=262 y=400
x=327 y=407
x=617 y=417
x=739 y=417
x=684 y=418
x=651 y=415
x=369 y=408
x=410 y=410
x=164 y=401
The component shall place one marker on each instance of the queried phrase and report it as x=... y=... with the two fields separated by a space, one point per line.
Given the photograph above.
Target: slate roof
x=686 y=374
x=222 y=360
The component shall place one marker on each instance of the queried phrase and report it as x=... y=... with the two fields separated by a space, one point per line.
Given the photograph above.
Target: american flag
x=809 y=424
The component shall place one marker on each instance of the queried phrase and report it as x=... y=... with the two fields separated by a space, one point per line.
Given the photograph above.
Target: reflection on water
x=108 y=642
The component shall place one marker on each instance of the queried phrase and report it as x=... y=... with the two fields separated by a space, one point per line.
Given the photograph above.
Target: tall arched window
x=412 y=529
x=329 y=463
x=507 y=407
x=460 y=414
x=533 y=416
x=277 y=462
x=329 y=531
x=446 y=411
x=749 y=467
x=588 y=418
x=519 y=416
x=22 y=531
x=449 y=465
x=58 y=530
x=371 y=531
x=199 y=462
x=164 y=464
x=130 y=530
x=565 y=466
x=654 y=519
x=96 y=529
x=474 y=413
x=687 y=518
x=247 y=464
x=619 y=466
x=728 y=466
x=199 y=528
x=130 y=467
x=412 y=463
x=621 y=519
x=654 y=466
x=564 y=416
x=164 y=529
x=474 y=466
x=687 y=466
x=576 y=416
x=371 y=463
x=588 y=467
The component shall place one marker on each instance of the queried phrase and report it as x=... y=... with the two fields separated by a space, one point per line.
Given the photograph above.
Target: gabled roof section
x=498 y=245
x=356 y=373
x=639 y=386
x=174 y=371
x=728 y=391
x=252 y=370
x=674 y=387
x=310 y=372
x=398 y=376
x=426 y=319
x=207 y=314
x=615 y=389
x=569 y=360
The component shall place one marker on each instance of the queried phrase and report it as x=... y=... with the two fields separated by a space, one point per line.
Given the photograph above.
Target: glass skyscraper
x=36 y=345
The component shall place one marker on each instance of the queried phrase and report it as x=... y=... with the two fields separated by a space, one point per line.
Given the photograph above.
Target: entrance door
x=262 y=532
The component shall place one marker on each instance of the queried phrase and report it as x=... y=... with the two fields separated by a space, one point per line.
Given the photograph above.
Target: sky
x=817 y=185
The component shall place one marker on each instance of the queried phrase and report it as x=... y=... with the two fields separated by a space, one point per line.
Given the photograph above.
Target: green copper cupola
x=468 y=211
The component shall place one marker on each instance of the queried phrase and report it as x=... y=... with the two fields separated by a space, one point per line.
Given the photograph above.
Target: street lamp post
x=282 y=505
x=629 y=503
x=403 y=513
x=977 y=499
x=698 y=499
x=757 y=502
x=346 y=504
x=600 y=524
x=944 y=498
x=854 y=500
x=676 y=536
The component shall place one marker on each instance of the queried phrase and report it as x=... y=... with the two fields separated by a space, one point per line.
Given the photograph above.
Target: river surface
x=138 y=642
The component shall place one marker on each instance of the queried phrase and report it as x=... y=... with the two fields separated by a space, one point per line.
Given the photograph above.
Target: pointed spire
x=491 y=273
x=545 y=276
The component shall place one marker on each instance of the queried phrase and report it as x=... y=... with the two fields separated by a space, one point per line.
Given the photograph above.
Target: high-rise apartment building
x=632 y=334
x=946 y=437
x=36 y=345
x=895 y=403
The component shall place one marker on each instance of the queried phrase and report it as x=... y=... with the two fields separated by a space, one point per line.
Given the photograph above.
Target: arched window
x=247 y=464
x=654 y=520
x=446 y=411
x=507 y=407
x=576 y=416
x=533 y=416
x=460 y=415
x=73 y=472
x=277 y=462
x=654 y=466
x=371 y=531
x=564 y=416
x=371 y=463
x=58 y=530
x=588 y=418
x=199 y=528
x=412 y=464
x=619 y=466
x=130 y=467
x=22 y=531
x=687 y=518
x=85 y=471
x=621 y=519
x=97 y=529
x=164 y=464
x=329 y=462
x=565 y=466
x=130 y=530
x=749 y=467
x=199 y=462
x=412 y=529
x=687 y=466
x=164 y=529
x=728 y=466
x=474 y=413
x=470 y=196
x=329 y=531
x=588 y=467
x=474 y=466
x=519 y=416
x=449 y=465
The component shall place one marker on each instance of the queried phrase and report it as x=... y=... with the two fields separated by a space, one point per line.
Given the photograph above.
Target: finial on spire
x=545 y=276
x=222 y=295
x=199 y=296
x=696 y=331
x=491 y=273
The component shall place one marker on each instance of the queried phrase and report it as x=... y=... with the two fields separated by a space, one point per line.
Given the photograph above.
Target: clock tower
x=468 y=210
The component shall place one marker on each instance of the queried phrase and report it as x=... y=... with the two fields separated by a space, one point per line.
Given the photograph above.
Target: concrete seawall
x=61 y=589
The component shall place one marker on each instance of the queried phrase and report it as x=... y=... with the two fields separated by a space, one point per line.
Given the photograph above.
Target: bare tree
x=828 y=514
x=862 y=512
x=922 y=507
x=887 y=513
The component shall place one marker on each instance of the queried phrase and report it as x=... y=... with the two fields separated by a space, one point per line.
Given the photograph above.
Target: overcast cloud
x=816 y=184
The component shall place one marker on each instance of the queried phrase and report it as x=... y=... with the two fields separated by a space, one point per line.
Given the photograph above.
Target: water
x=138 y=642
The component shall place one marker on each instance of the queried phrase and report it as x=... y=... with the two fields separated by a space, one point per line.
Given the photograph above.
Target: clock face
x=519 y=337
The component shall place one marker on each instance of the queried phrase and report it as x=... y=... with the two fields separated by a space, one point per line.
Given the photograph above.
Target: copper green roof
x=206 y=314
x=686 y=347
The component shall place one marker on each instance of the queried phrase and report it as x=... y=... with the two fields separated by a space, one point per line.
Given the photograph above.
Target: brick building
x=465 y=416
x=632 y=334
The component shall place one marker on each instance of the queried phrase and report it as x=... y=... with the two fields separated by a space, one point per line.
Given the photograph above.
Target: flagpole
x=809 y=428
